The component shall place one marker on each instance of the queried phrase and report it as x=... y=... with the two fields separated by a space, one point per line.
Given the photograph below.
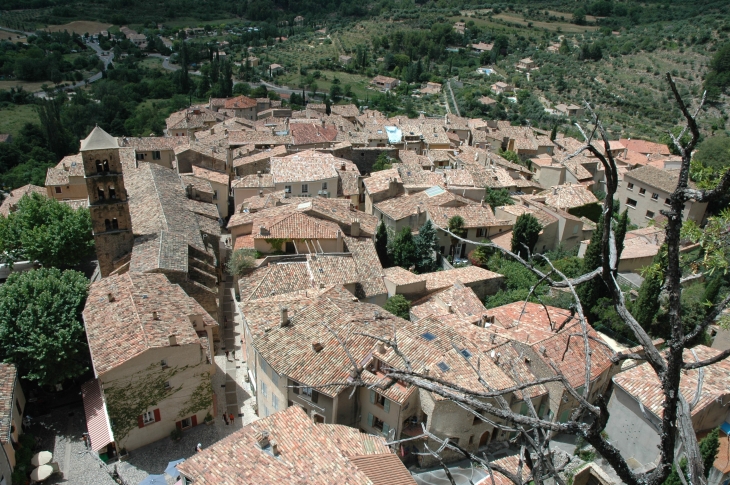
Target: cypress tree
x=426 y=244
x=590 y=291
x=525 y=233
x=646 y=306
x=381 y=245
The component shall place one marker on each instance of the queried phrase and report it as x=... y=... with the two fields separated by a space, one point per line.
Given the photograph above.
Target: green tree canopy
x=398 y=306
x=525 y=233
x=45 y=230
x=718 y=78
x=497 y=197
x=382 y=163
x=240 y=261
x=381 y=245
x=40 y=324
x=714 y=152
x=647 y=304
x=426 y=244
x=403 y=249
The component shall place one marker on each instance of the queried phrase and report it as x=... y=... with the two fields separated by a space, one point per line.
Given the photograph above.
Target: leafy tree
x=45 y=230
x=714 y=152
x=240 y=261
x=398 y=306
x=480 y=256
x=456 y=226
x=647 y=304
x=60 y=140
x=426 y=245
x=525 y=233
x=497 y=197
x=718 y=78
x=708 y=450
x=403 y=249
x=622 y=226
x=382 y=163
x=40 y=326
x=579 y=16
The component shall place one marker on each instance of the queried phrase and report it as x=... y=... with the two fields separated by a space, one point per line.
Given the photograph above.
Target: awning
x=97 y=419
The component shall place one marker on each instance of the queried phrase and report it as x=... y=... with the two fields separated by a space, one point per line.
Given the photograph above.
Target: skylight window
x=465 y=353
x=434 y=191
x=428 y=336
x=443 y=366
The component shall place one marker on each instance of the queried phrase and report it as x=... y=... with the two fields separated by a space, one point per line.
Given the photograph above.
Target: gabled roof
x=308 y=454
x=11 y=202
x=403 y=206
x=664 y=180
x=123 y=328
x=98 y=139
x=567 y=196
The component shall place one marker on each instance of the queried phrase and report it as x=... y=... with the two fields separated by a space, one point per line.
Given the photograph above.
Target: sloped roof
x=98 y=139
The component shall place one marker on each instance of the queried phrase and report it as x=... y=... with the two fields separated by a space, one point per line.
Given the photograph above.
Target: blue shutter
x=386 y=428
x=372 y=396
x=386 y=405
x=370 y=420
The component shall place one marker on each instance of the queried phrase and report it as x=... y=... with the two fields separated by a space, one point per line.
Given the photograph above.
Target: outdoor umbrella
x=154 y=480
x=41 y=458
x=41 y=473
x=172 y=468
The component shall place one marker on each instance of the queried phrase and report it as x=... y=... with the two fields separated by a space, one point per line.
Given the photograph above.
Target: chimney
x=381 y=348
x=173 y=340
x=110 y=296
x=155 y=316
x=258 y=173
x=284 y=316
x=449 y=308
x=261 y=193
x=274 y=448
x=543 y=350
x=317 y=347
x=262 y=231
x=555 y=191
x=321 y=285
x=482 y=203
x=343 y=166
x=263 y=439
x=65 y=167
x=355 y=228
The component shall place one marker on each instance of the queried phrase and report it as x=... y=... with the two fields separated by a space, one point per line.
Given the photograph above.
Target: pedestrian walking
x=226 y=355
x=230 y=417
x=225 y=418
x=234 y=354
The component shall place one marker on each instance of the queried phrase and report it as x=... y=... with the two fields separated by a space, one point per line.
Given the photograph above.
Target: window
x=654 y=196
x=478 y=418
x=631 y=203
x=454 y=441
x=667 y=201
x=324 y=185
x=649 y=214
x=115 y=223
x=575 y=229
x=140 y=156
x=264 y=392
x=163 y=363
x=167 y=385
x=275 y=401
x=305 y=188
x=266 y=411
x=100 y=193
x=287 y=189
x=215 y=195
x=629 y=186
x=156 y=155
x=380 y=401
x=471 y=439
x=107 y=224
x=58 y=190
x=148 y=417
x=480 y=232
x=642 y=191
x=105 y=164
x=307 y=391
x=186 y=423
x=112 y=192
x=99 y=166
x=428 y=336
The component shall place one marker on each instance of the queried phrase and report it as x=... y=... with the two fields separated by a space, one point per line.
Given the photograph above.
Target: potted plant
x=176 y=434
x=208 y=419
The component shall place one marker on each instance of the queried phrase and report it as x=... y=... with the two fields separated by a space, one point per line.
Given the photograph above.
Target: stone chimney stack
x=173 y=340
x=355 y=228
x=284 y=316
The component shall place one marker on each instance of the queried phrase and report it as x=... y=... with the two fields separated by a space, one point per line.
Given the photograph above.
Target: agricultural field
x=13 y=117
x=80 y=27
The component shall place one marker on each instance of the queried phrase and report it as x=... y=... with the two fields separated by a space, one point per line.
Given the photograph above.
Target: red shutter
x=178 y=424
x=194 y=419
x=157 y=415
x=140 y=421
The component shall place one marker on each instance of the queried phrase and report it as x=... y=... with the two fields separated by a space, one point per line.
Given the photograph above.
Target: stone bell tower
x=110 y=219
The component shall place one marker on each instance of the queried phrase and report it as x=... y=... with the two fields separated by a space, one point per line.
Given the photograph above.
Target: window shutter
x=140 y=421
x=386 y=405
x=178 y=424
x=315 y=396
x=370 y=420
x=157 y=415
x=194 y=419
x=386 y=428
x=372 y=396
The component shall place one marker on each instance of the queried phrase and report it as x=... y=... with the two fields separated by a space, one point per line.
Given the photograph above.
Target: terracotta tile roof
x=567 y=196
x=307 y=133
x=285 y=171
x=367 y=265
x=308 y=454
x=346 y=110
x=403 y=206
x=69 y=166
x=202 y=186
x=260 y=157
x=383 y=79
x=518 y=209
x=240 y=102
x=202 y=208
x=644 y=147
x=257 y=181
x=380 y=181
x=213 y=176
x=349 y=183
x=473 y=215
x=664 y=180
x=642 y=383
x=530 y=326
x=466 y=275
x=121 y=329
x=401 y=276
x=294 y=225
x=457 y=300
x=215 y=152
x=413 y=176
x=386 y=469
x=237 y=138
x=575 y=166
x=208 y=225
x=193 y=118
x=164 y=251
x=8 y=380
x=11 y=201
x=157 y=203
x=638 y=247
x=152 y=143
